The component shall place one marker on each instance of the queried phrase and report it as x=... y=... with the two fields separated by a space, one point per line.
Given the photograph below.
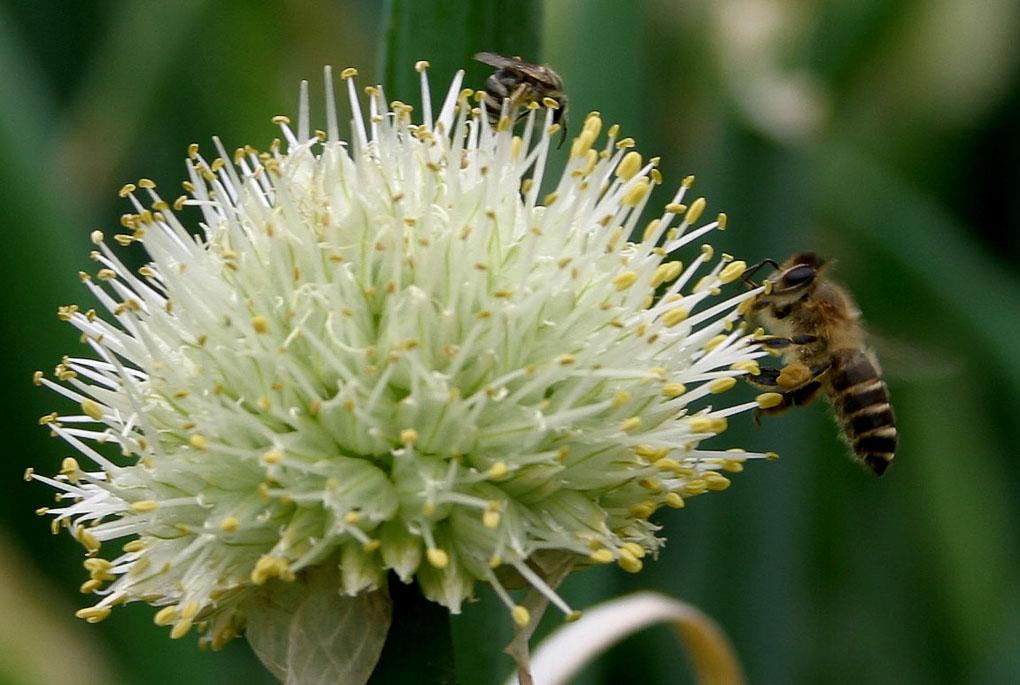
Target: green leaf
x=307 y=633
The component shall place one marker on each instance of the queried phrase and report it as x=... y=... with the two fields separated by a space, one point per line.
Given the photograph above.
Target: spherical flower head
x=394 y=353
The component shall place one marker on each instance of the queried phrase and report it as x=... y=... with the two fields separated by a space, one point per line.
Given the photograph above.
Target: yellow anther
x=673 y=389
x=96 y=237
x=88 y=539
x=230 y=524
x=372 y=545
x=90 y=585
x=70 y=467
x=352 y=517
x=721 y=384
x=127 y=189
x=702 y=283
x=715 y=342
x=674 y=316
x=628 y=562
x=624 y=280
x=92 y=409
x=625 y=143
x=572 y=616
x=636 y=193
x=165 y=616
x=495 y=561
x=408 y=436
x=520 y=616
x=566 y=359
x=733 y=271
x=721 y=220
x=667 y=464
x=602 y=556
x=260 y=324
x=621 y=398
x=653 y=484
x=674 y=501
x=695 y=486
x=421 y=65
x=133 y=546
x=180 y=629
x=642 y=510
x=144 y=506
x=748 y=365
x=190 y=609
x=349 y=72
x=93 y=614
x=707 y=424
x=272 y=457
x=767 y=400
x=651 y=453
x=716 y=481
x=582 y=144
x=198 y=442
x=767 y=284
x=634 y=548
x=437 y=557
x=650 y=230
x=666 y=272
x=497 y=471
x=630 y=424
x=491 y=519
x=629 y=165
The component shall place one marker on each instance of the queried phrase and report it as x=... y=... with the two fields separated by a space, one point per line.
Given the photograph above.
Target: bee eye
x=798 y=275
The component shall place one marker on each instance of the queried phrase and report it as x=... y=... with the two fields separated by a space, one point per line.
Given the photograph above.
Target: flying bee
x=523 y=83
x=816 y=324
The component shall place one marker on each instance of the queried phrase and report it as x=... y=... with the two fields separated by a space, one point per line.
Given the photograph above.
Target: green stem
x=419 y=646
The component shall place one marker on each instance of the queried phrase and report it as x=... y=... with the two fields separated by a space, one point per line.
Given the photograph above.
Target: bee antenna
x=749 y=271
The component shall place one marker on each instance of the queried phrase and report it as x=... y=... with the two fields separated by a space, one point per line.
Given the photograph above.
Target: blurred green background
x=883 y=134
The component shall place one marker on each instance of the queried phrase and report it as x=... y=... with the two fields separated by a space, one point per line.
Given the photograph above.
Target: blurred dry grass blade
x=566 y=651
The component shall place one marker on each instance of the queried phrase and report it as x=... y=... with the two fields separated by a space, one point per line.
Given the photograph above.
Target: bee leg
x=518 y=94
x=779 y=343
x=766 y=379
x=791 y=398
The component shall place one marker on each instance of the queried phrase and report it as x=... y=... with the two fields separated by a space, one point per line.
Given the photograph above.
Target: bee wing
x=908 y=359
x=536 y=72
x=494 y=59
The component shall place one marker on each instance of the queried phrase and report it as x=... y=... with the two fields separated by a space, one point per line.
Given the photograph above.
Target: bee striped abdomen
x=861 y=402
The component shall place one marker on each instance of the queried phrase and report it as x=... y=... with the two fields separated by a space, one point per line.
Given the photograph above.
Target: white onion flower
x=394 y=353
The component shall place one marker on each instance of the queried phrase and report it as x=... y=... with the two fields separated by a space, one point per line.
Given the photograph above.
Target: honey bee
x=523 y=83
x=816 y=324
